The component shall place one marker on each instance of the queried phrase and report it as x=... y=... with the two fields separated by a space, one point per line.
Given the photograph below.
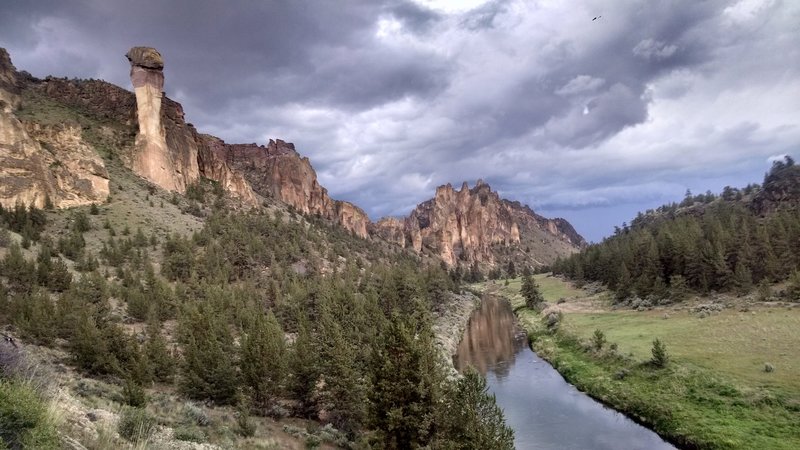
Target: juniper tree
x=471 y=418
x=263 y=359
x=530 y=292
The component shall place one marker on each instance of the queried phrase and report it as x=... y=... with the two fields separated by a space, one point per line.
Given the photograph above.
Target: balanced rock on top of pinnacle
x=146 y=57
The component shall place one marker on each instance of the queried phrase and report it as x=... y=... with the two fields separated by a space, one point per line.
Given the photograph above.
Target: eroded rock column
x=152 y=159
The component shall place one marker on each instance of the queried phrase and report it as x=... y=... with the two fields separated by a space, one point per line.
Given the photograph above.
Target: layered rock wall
x=278 y=171
x=40 y=163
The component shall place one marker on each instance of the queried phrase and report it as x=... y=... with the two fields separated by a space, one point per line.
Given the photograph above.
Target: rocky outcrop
x=172 y=168
x=41 y=163
x=475 y=225
x=278 y=171
x=168 y=151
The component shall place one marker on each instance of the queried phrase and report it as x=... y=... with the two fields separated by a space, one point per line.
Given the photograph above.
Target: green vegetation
x=714 y=392
x=25 y=421
x=362 y=361
x=725 y=244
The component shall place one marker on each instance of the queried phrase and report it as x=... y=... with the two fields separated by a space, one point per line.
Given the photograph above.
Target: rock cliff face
x=172 y=168
x=278 y=171
x=41 y=162
x=475 y=225
x=168 y=151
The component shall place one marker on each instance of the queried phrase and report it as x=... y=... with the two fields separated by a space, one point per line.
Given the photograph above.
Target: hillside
x=732 y=242
x=177 y=305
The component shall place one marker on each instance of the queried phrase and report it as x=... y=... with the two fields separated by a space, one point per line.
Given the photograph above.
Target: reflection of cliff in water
x=491 y=339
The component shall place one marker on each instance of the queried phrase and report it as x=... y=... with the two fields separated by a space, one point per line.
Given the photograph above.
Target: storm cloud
x=592 y=120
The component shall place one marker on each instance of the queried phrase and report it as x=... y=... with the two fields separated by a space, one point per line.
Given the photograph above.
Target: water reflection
x=491 y=339
x=545 y=411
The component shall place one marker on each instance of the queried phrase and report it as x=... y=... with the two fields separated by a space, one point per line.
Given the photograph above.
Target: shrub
x=246 y=428
x=598 y=339
x=660 y=356
x=196 y=415
x=133 y=394
x=24 y=421
x=81 y=223
x=136 y=424
x=190 y=434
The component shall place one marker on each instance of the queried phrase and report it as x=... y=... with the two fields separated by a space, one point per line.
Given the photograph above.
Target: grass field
x=730 y=342
x=713 y=394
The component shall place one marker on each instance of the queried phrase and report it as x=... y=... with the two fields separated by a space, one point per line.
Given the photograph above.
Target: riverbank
x=689 y=405
x=449 y=325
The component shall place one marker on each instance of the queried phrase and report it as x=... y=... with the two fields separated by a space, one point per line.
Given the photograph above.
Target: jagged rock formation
x=43 y=162
x=278 y=171
x=475 y=225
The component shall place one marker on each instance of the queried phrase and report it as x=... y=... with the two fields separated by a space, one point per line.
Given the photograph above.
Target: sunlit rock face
x=278 y=171
x=44 y=162
x=153 y=159
x=469 y=225
x=168 y=151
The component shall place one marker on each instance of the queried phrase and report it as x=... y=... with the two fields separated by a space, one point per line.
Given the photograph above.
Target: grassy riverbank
x=713 y=394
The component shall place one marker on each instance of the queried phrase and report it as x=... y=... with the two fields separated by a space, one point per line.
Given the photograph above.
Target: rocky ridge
x=278 y=171
x=41 y=164
x=476 y=225
x=150 y=135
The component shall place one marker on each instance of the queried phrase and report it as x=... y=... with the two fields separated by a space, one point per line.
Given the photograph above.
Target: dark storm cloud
x=391 y=98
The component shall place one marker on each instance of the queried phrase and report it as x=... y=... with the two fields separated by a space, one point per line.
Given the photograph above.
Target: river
x=544 y=410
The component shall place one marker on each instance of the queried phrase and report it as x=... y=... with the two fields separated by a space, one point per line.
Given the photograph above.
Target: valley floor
x=714 y=393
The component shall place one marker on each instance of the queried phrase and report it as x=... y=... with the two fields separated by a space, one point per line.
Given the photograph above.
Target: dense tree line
x=722 y=245
x=360 y=352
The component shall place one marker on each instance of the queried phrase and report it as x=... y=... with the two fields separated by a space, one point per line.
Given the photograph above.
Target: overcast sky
x=591 y=120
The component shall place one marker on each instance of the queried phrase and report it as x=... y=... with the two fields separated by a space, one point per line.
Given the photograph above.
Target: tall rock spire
x=152 y=159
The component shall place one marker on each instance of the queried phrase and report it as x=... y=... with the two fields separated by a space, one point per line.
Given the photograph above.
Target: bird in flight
x=597 y=17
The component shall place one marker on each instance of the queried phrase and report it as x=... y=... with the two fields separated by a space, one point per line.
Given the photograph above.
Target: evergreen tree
x=742 y=279
x=472 y=419
x=263 y=359
x=530 y=292
x=305 y=371
x=407 y=392
x=208 y=366
x=159 y=360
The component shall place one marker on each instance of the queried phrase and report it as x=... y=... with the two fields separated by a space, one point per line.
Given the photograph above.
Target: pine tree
x=305 y=371
x=530 y=292
x=160 y=362
x=660 y=356
x=344 y=395
x=742 y=279
x=407 y=380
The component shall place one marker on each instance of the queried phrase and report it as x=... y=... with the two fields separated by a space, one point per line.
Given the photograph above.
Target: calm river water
x=545 y=411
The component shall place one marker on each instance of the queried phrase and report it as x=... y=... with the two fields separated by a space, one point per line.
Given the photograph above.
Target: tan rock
x=152 y=158
x=468 y=225
x=39 y=163
x=278 y=171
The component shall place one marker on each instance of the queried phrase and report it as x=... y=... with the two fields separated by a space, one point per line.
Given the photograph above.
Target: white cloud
x=653 y=49
x=581 y=85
